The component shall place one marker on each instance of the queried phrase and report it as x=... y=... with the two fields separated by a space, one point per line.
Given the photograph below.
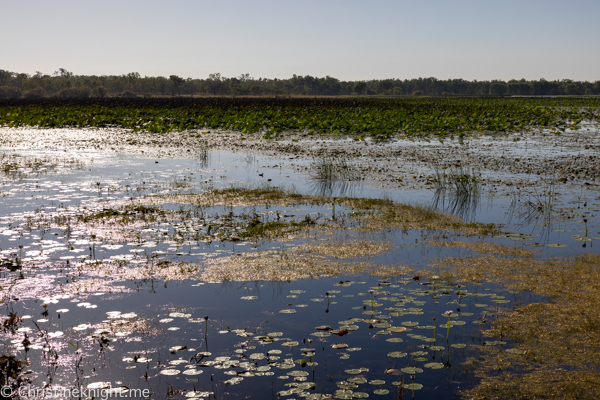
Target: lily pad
x=99 y=385
x=413 y=386
x=170 y=372
x=359 y=380
x=411 y=370
x=394 y=340
x=297 y=373
x=192 y=372
x=339 y=346
x=396 y=329
x=409 y=323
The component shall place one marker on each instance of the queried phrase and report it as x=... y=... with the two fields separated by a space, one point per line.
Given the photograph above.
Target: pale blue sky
x=350 y=40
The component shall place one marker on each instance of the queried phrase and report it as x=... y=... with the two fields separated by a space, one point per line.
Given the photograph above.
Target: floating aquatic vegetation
x=236 y=197
x=401 y=302
x=124 y=325
x=347 y=249
x=485 y=247
x=277 y=266
x=125 y=215
x=556 y=342
x=15 y=166
x=356 y=116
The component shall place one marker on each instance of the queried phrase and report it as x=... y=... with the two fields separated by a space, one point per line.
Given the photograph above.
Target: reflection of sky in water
x=117 y=176
x=181 y=306
x=107 y=177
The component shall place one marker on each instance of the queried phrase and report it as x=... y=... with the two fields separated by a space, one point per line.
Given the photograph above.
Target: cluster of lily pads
x=438 y=116
x=303 y=367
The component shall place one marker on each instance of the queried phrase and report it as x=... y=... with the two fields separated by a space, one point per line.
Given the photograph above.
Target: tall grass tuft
x=457 y=191
x=332 y=175
x=460 y=181
x=535 y=205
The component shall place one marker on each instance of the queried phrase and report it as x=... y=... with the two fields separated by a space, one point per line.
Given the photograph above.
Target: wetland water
x=117 y=273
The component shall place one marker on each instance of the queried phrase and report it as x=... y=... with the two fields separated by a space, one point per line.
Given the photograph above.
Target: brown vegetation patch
x=347 y=250
x=277 y=266
x=238 y=197
x=559 y=339
x=370 y=214
x=135 y=325
x=484 y=247
x=296 y=264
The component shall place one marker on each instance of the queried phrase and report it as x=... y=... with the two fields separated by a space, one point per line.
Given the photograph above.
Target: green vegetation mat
x=438 y=116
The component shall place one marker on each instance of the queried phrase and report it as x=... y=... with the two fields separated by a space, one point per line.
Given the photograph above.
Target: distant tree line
x=65 y=84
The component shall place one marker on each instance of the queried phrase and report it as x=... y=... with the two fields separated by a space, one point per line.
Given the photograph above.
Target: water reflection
x=457 y=191
x=333 y=177
x=202 y=158
x=335 y=188
x=536 y=208
x=463 y=206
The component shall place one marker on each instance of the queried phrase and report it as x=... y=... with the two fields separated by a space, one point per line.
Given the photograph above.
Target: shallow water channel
x=142 y=306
